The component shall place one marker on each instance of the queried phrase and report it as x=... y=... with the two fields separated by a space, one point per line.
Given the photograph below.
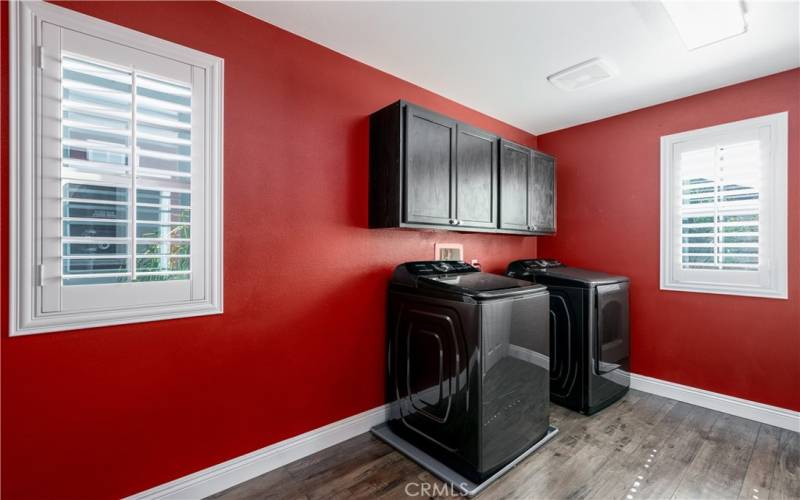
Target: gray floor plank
x=653 y=470
x=267 y=485
x=576 y=432
x=684 y=444
x=358 y=449
x=761 y=468
x=719 y=468
x=633 y=427
x=412 y=487
x=786 y=477
x=631 y=474
x=669 y=424
x=338 y=482
x=642 y=473
x=644 y=446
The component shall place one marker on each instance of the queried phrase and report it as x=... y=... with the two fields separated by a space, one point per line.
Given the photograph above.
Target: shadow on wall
x=358 y=173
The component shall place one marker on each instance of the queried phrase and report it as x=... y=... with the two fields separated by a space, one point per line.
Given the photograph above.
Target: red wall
x=608 y=219
x=108 y=412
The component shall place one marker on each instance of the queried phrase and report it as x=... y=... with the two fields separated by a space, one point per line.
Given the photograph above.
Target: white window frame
x=25 y=312
x=772 y=281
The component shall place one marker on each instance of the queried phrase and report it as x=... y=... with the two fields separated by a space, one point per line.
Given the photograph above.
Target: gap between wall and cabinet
x=237 y=470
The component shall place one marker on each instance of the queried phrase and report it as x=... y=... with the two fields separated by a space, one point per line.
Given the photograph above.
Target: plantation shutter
x=124 y=133
x=120 y=178
x=720 y=217
x=115 y=175
x=720 y=206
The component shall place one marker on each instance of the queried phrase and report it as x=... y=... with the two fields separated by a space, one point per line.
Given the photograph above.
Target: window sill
x=63 y=322
x=723 y=290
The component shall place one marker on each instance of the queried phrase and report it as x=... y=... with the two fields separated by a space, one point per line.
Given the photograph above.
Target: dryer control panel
x=528 y=266
x=543 y=263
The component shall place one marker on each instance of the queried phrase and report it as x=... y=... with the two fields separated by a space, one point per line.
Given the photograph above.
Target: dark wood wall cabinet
x=527 y=190
x=430 y=171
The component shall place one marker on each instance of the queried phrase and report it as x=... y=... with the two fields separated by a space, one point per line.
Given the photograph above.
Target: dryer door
x=566 y=339
x=613 y=344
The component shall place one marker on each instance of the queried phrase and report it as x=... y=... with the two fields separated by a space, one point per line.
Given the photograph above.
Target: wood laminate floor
x=643 y=446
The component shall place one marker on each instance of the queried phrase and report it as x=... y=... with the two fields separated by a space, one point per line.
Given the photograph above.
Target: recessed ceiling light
x=583 y=75
x=705 y=22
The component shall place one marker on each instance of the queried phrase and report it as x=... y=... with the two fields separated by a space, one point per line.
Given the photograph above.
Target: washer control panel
x=425 y=268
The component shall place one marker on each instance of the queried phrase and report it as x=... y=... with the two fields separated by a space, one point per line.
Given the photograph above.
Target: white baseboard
x=222 y=476
x=766 y=414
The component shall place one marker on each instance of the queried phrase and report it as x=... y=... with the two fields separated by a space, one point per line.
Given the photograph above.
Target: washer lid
x=459 y=278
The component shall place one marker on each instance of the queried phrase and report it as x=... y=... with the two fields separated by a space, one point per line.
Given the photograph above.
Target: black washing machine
x=589 y=333
x=468 y=369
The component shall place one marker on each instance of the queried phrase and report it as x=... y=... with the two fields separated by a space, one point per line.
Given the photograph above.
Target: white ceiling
x=495 y=57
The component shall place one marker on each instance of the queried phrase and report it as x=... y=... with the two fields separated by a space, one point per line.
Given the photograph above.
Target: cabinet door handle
x=453 y=221
x=458 y=222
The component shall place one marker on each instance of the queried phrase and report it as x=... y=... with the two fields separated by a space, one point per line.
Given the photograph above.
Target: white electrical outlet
x=448 y=251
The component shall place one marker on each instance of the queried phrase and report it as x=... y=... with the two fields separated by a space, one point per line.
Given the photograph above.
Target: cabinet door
x=515 y=163
x=430 y=158
x=476 y=178
x=542 y=194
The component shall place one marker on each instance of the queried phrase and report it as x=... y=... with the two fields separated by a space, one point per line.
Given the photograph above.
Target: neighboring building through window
x=116 y=174
x=724 y=209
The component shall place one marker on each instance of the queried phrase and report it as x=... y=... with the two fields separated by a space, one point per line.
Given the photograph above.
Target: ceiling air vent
x=583 y=75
